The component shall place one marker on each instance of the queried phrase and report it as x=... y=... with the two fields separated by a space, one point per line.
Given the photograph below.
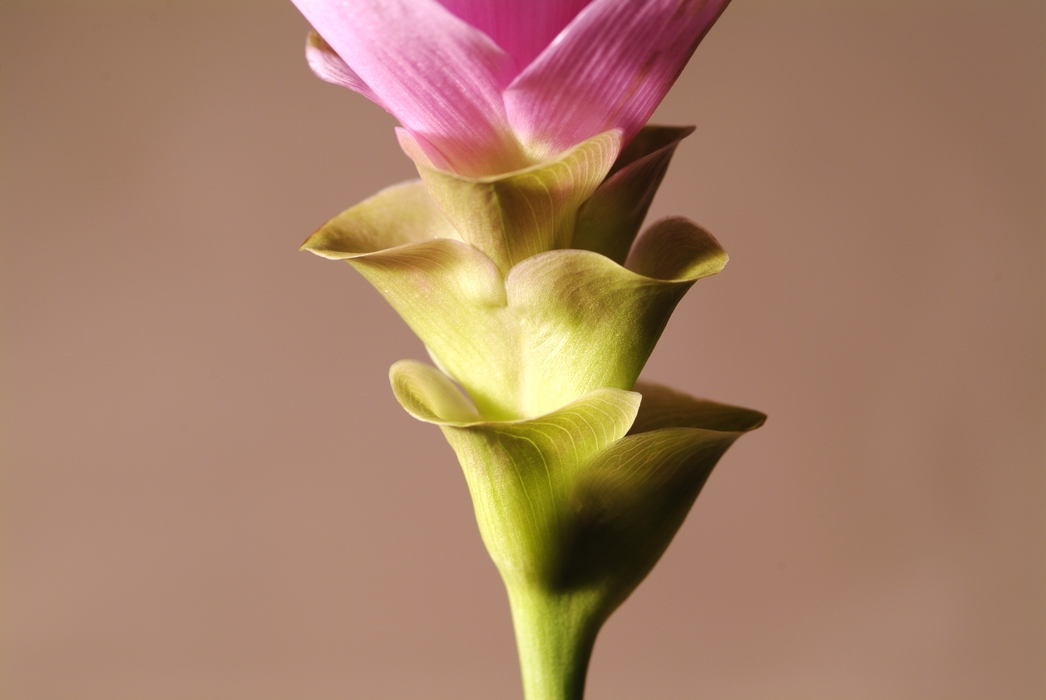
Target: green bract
x=577 y=505
x=564 y=499
x=555 y=325
x=515 y=216
x=609 y=221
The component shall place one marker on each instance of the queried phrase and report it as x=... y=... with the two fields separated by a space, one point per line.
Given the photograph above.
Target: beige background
x=210 y=493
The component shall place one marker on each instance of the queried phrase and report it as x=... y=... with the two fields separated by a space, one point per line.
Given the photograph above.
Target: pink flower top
x=485 y=87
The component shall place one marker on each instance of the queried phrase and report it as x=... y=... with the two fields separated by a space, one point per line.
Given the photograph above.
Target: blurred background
x=209 y=492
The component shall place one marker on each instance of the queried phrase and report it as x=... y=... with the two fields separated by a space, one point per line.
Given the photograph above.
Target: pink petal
x=327 y=65
x=523 y=28
x=419 y=150
x=609 y=68
x=440 y=77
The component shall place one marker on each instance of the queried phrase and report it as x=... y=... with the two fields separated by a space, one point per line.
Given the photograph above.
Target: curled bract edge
x=582 y=501
x=558 y=323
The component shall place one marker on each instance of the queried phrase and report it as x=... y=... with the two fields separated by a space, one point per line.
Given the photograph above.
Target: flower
x=518 y=260
x=486 y=87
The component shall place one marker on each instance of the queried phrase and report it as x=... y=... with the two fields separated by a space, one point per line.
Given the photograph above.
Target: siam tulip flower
x=486 y=87
x=518 y=260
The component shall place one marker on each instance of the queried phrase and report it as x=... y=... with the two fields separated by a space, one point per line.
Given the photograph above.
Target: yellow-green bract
x=526 y=334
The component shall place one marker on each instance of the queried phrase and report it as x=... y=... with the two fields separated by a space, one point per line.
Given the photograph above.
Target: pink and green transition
x=519 y=260
x=484 y=87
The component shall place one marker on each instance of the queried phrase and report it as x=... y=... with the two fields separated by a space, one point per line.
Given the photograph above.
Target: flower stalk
x=555 y=635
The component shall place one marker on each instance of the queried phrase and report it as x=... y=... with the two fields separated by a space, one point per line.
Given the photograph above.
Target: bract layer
x=558 y=325
x=514 y=216
x=581 y=501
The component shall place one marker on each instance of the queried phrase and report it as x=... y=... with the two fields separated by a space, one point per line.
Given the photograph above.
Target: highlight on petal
x=517 y=215
x=518 y=472
x=327 y=65
x=609 y=68
x=523 y=28
x=609 y=221
x=439 y=76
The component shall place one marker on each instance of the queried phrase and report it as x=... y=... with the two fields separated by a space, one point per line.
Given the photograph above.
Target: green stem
x=555 y=634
